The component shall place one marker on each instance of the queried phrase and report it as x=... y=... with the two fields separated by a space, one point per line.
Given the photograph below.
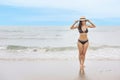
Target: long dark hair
x=80 y=23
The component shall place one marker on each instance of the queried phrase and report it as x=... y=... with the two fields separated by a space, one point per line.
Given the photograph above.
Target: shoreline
x=52 y=59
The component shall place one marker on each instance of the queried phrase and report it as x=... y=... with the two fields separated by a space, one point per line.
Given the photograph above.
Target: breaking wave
x=54 y=49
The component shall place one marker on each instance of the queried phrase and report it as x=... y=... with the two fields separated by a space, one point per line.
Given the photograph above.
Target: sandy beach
x=59 y=70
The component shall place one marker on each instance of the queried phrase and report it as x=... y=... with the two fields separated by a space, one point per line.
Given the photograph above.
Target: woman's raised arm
x=92 y=25
x=73 y=26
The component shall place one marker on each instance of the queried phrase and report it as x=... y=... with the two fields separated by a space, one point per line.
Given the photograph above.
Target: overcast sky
x=58 y=12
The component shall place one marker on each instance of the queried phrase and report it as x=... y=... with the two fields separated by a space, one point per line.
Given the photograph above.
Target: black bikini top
x=80 y=31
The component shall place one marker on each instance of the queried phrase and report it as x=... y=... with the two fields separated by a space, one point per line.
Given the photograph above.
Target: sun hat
x=82 y=18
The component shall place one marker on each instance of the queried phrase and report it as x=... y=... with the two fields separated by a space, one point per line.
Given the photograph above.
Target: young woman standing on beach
x=83 y=39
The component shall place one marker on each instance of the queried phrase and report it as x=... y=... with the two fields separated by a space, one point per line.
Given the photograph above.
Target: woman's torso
x=83 y=33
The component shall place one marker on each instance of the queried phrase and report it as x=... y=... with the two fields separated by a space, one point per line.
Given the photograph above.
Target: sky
x=58 y=12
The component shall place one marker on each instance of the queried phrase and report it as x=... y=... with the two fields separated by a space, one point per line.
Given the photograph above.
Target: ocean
x=58 y=42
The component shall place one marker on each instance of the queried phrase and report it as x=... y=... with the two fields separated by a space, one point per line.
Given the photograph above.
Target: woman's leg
x=85 y=50
x=80 y=48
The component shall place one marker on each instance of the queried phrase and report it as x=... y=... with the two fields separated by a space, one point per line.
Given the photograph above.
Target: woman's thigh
x=85 y=47
x=80 y=48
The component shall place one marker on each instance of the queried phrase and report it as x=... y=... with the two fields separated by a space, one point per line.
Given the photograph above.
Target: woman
x=83 y=39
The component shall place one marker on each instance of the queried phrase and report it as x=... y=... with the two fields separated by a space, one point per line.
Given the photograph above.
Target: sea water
x=58 y=42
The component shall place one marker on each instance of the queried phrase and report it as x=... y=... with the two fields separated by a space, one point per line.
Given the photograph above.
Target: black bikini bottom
x=83 y=42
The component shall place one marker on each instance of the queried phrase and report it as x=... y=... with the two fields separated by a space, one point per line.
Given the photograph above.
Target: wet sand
x=59 y=70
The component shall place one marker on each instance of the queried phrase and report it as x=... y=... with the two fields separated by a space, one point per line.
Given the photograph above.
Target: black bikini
x=80 y=31
x=81 y=41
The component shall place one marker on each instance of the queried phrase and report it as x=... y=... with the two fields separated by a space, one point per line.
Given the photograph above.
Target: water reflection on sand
x=82 y=75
